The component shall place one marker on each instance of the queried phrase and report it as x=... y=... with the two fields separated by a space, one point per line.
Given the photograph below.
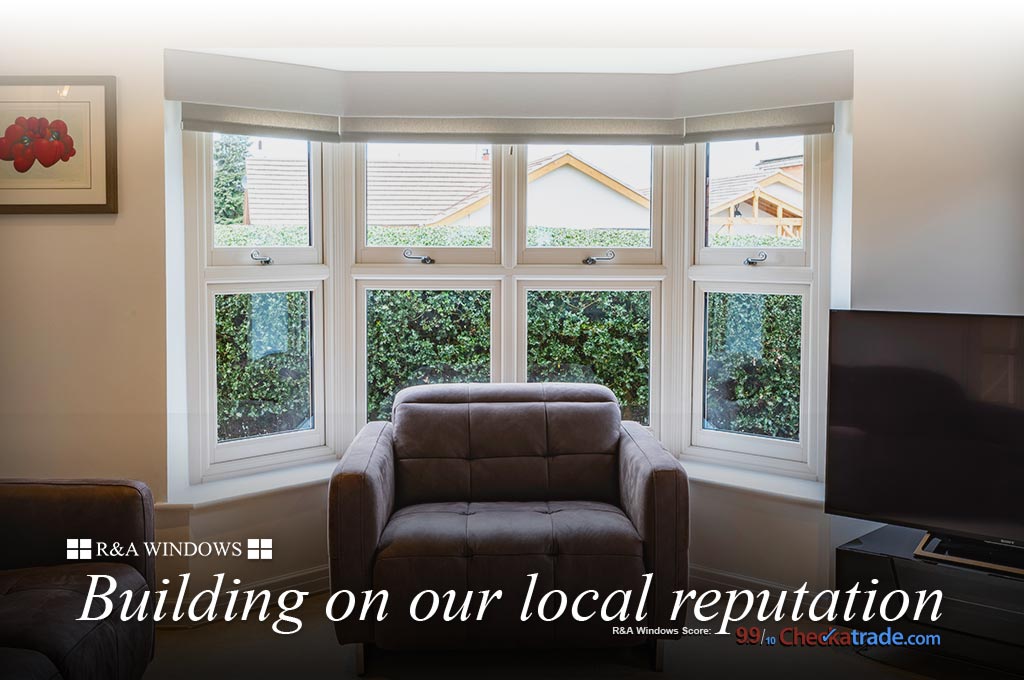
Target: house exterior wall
x=593 y=205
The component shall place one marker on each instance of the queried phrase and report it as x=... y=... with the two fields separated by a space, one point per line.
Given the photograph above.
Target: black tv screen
x=926 y=422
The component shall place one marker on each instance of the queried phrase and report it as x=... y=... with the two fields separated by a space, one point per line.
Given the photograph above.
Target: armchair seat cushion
x=572 y=546
x=38 y=611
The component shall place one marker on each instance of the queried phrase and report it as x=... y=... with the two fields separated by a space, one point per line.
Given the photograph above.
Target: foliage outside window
x=752 y=364
x=264 y=367
x=596 y=337
x=416 y=337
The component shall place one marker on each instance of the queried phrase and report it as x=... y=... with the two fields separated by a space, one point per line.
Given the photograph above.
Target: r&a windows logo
x=261 y=548
x=79 y=548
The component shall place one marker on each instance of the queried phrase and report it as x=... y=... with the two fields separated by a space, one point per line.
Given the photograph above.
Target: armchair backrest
x=38 y=516
x=506 y=442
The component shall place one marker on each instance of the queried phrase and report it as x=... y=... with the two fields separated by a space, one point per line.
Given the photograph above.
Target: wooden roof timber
x=561 y=161
x=776 y=178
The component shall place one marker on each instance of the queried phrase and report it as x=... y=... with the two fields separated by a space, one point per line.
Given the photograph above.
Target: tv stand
x=982 y=609
x=979 y=554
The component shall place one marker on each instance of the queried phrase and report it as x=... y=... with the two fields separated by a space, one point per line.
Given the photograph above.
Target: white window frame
x=394 y=255
x=200 y=157
x=572 y=256
x=254 y=447
x=776 y=257
x=362 y=286
x=211 y=271
x=808 y=275
x=345 y=268
x=735 y=441
x=652 y=287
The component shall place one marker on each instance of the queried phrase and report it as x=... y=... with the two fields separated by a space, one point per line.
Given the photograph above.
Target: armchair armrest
x=360 y=502
x=38 y=516
x=655 y=497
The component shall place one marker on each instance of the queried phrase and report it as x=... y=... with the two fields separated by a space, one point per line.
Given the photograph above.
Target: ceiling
x=563 y=60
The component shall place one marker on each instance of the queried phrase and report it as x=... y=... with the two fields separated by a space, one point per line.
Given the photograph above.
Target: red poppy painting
x=32 y=139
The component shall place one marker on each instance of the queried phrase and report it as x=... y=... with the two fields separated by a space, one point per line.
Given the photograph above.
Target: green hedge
x=263 y=364
x=414 y=337
x=753 y=241
x=260 y=235
x=752 y=380
x=251 y=235
x=426 y=237
x=593 y=336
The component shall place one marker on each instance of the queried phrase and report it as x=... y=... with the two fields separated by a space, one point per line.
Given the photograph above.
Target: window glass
x=593 y=336
x=585 y=196
x=264 y=364
x=414 y=337
x=752 y=364
x=260 y=191
x=755 y=193
x=428 y=195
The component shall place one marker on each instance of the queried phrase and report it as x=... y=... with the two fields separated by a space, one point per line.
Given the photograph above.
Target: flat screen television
x=926 y=422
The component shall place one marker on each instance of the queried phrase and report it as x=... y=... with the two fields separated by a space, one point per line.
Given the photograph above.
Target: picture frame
x=58 y=144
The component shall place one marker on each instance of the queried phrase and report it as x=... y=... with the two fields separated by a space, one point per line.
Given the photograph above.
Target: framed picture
x=58 y=149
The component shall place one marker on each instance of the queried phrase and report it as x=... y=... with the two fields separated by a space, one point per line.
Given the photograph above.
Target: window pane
x=414 y=337
x=601 y=336
x=260 y=191
x=588 y=196
x=755 y=193
x=428 y=195
x=752 y=364
x=264 y=364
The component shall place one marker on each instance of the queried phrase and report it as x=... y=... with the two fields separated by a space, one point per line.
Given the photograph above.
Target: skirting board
x=314 y=580
x=706 y=578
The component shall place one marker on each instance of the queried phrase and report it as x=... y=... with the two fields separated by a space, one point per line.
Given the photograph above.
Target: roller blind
x=245 y=96
x=259 y=122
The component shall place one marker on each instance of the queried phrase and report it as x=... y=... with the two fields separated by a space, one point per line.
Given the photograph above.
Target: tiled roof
x=721 y=189
x=419 y=192
x=398 y=193
x=780 y=162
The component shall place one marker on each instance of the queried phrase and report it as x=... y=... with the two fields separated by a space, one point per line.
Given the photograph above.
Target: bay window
x=326 y=276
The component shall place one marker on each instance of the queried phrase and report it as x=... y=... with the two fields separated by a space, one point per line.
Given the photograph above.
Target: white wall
x=938 y=177
x=567 y=197
x=82 y=387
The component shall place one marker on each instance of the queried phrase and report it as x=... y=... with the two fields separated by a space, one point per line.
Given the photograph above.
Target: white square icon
x=79 y=548
x=261 y=548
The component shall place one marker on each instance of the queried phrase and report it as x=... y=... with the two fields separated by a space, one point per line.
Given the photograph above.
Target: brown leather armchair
x=473 y=487
x=43 y=591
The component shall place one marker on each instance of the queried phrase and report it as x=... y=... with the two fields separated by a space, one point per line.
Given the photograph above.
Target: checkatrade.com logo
x=89 y=549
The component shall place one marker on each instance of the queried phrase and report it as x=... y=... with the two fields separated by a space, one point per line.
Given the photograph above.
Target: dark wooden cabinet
x=982 y=611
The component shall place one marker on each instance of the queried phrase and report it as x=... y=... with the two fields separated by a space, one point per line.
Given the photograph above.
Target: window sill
x=257 y=484
x=802 y=491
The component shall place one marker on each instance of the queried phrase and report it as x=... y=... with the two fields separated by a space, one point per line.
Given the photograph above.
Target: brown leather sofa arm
x=37 y=517
x=361 y=499
x=655 y=496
